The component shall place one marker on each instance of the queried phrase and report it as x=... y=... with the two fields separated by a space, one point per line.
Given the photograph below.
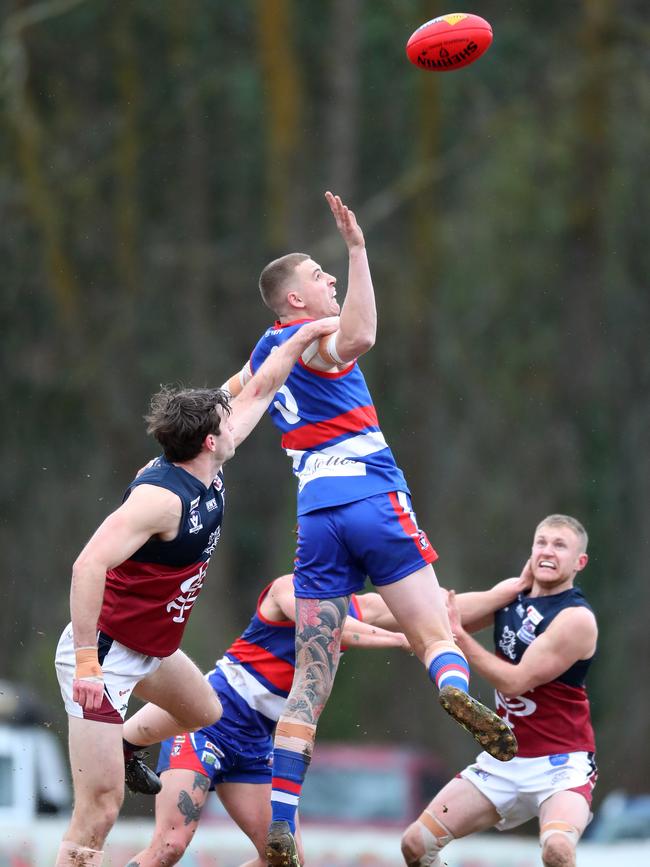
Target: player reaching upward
x=134 y=586
x=355 y=517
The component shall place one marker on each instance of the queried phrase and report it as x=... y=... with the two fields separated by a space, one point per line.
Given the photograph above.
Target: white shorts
x=517 y=788
x=123 y=669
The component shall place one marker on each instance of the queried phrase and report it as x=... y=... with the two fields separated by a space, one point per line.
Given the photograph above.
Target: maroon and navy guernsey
x=149 y=597
x=554 y=717
x=330 y=431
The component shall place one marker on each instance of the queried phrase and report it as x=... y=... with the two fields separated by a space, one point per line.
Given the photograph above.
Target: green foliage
x=505 y=208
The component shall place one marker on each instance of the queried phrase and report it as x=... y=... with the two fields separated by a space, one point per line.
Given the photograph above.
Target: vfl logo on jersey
x=195 y=523
x=526 y=631
x=507 y=643
x=190 y=589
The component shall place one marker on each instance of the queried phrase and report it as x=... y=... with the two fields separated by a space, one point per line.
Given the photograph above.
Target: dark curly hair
x=181 y=418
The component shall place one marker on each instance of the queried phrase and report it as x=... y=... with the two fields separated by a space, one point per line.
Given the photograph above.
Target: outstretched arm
x=356 y=633
x=477 y=608
x=571 y=636
x=358 y=327
x=253 y=399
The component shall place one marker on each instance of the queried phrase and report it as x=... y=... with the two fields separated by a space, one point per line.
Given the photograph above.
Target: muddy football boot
x=486 y=727
x=281 y=848
x=139 y=777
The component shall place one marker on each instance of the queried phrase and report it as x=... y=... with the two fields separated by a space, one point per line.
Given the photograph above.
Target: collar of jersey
x=279 y=324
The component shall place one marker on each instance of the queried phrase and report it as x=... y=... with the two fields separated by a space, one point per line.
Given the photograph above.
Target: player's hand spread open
x=346 y=222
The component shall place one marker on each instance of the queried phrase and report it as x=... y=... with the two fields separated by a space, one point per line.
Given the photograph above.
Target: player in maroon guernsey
x=134 y=586
x=545 y=641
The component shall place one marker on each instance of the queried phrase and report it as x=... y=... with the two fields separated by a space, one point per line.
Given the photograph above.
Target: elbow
x=514 y=687
x=350 y=349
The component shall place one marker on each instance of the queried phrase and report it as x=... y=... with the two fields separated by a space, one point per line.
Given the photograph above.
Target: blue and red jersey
x=253 y=678
x=329 y=430
x=149 y=597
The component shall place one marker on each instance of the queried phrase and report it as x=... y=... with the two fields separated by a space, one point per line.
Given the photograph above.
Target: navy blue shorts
x=217 y=758
x=339 y=547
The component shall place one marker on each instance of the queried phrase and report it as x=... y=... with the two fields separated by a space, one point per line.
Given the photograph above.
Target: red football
x=449 y=42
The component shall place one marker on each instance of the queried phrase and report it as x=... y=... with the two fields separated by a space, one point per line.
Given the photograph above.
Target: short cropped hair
x=567 y=521
x=274 y=278
x=181 y=418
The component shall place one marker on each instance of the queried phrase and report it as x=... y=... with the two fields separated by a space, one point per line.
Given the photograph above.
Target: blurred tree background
x=154 y=155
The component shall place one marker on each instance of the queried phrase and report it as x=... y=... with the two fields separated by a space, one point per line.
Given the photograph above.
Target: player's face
x=556 y=556
x=224 y=441
x=316 y=290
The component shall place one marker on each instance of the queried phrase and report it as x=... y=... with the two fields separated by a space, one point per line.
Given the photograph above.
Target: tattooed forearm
x=188 y=809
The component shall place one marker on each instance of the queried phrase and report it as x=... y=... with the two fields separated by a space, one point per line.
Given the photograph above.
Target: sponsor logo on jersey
x=526 y=632
x=218 y=484
x=211 y=505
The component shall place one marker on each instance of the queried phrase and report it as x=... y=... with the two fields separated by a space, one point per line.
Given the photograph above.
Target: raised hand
x=346 y=222
x=525 y=580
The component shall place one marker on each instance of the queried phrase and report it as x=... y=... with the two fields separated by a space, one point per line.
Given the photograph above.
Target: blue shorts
x=217 y=758
x=339 y=547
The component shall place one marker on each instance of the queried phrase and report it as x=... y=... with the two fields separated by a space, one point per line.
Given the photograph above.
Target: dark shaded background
x=154 y=155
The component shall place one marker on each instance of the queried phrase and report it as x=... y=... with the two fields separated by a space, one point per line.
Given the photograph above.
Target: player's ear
x=583 y=559
x=294 y=299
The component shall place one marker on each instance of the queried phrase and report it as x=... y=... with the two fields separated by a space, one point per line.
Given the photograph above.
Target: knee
x=412 y=847
x=207 y=713
x=97 y=814
x=558 y=851
x=170 y=847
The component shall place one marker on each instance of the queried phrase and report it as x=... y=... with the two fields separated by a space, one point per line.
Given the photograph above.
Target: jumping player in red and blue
x=232 y=757
x=134 y=586
x=355 y=517
x=545 y=641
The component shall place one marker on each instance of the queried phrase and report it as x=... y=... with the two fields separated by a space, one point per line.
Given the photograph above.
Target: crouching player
x=545 y=641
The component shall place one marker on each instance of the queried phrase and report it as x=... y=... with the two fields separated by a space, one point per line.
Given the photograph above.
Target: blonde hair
x=567 y=521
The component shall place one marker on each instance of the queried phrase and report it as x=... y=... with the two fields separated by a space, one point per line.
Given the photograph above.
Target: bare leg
x=248 y=804
x=457 y=810
x=562 y=819
x=178 y=810
x=418 y=606
x=180 y=699
x=98 y=778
